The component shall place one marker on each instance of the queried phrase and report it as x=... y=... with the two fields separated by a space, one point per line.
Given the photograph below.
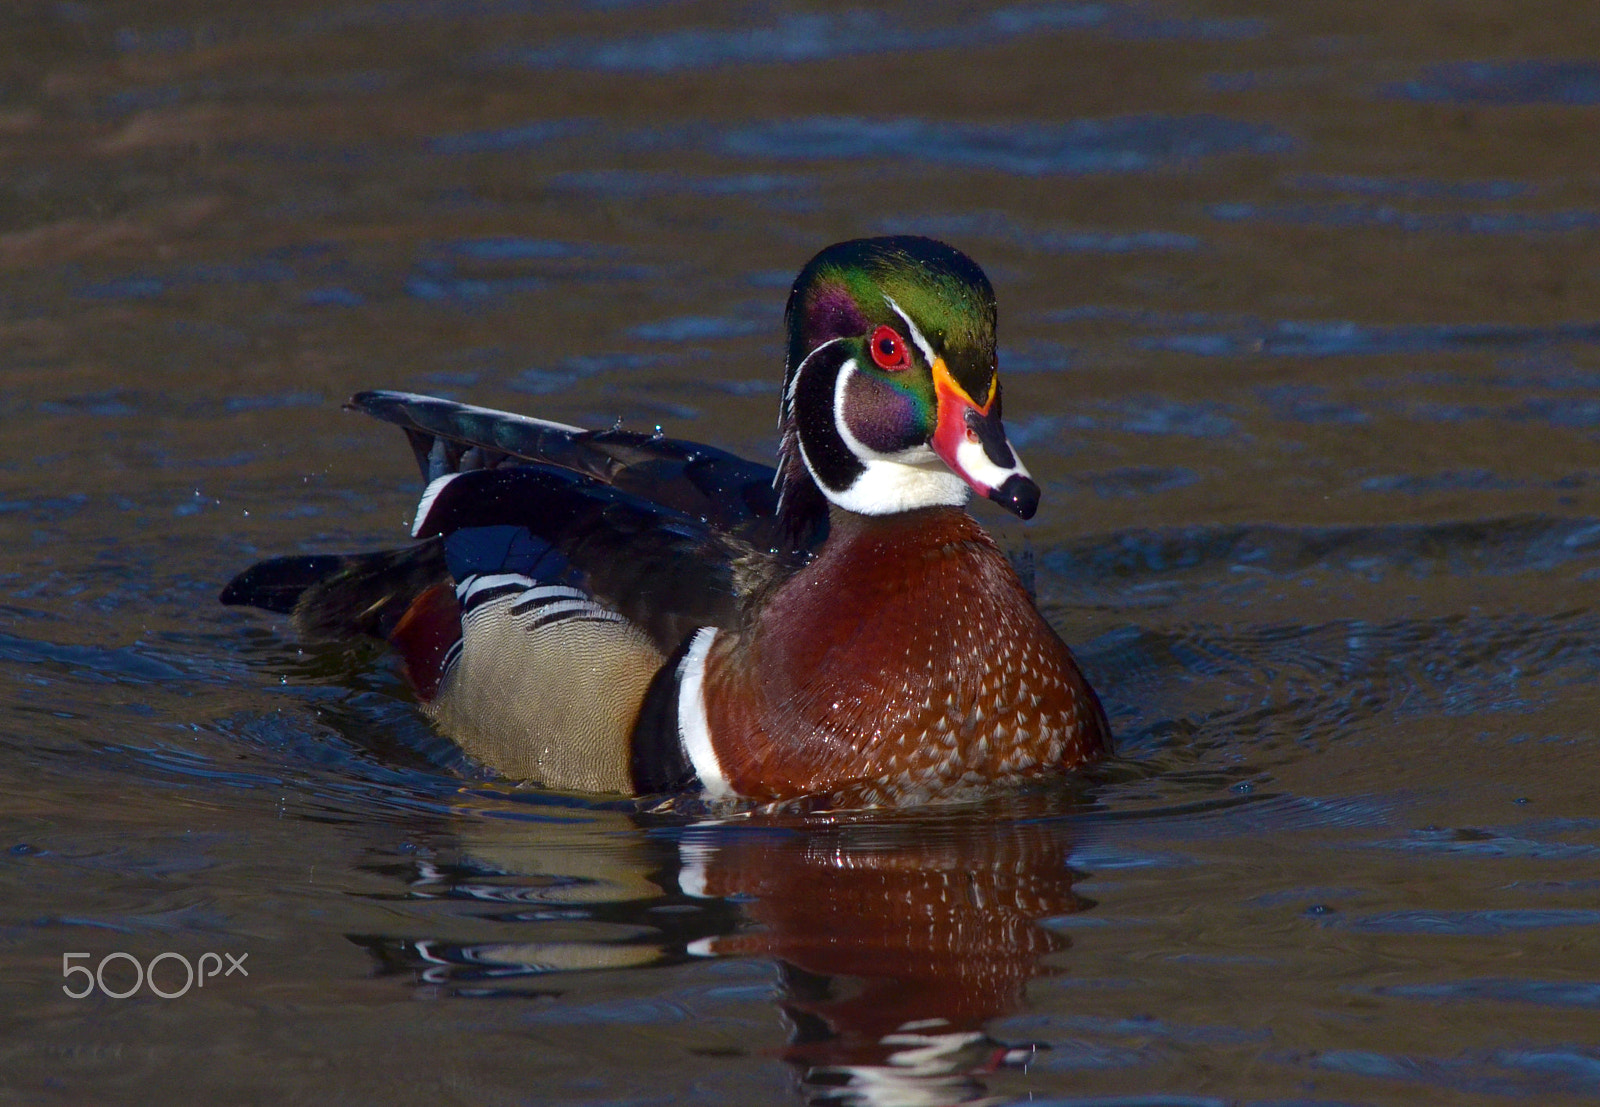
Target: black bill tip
x=1018 y=495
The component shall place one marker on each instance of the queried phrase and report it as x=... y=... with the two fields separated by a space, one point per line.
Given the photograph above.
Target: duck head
x=891 y=400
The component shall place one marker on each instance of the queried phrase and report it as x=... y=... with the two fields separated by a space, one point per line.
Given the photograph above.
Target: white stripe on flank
x=548 y=593
x=471 y=586
x=551 y=610
x=694 y=729
x=429 y=494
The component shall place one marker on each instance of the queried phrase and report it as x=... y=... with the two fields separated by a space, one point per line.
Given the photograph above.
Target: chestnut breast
x=907 y=657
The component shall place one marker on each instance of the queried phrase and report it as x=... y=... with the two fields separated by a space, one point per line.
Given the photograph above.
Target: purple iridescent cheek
x=884 y=417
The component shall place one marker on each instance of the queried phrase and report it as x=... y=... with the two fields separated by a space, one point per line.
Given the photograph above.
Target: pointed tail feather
x=278 y=584
x=342 y=596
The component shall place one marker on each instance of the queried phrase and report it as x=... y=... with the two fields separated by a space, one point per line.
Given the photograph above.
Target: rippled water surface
x=1300 y=331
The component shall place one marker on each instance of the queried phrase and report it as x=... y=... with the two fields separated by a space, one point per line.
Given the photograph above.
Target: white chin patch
x=887 y=487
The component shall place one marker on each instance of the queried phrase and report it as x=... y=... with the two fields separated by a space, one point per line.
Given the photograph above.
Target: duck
x=616 y=611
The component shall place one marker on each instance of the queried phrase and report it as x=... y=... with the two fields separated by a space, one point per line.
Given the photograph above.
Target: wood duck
x=611 y=611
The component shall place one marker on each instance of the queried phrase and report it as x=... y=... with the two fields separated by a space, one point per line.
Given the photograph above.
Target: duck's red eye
x=889 y=349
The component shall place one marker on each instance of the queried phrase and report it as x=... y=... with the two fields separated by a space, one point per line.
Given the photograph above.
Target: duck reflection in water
x=898 y=938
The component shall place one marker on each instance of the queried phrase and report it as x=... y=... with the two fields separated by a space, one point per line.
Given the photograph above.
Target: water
x=1301 y=333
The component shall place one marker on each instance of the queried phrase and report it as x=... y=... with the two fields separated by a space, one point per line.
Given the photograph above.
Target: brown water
x=1301 y=333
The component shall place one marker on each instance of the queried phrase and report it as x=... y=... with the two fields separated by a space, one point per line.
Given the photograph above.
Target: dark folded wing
x=716 y=488
x=666 y=571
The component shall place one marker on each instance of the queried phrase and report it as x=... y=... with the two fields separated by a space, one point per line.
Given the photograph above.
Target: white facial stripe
x=794 y=381
x=694 y=729
x=975 y=464
x=916 y=334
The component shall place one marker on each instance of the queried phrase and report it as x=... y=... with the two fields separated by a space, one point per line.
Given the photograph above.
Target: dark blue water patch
x=1282 y=686
x=332 y=296
x=468 y=271
x=1134 y=480
x=1119 y=145
x=1048 y=431
x=1000 y=226
x=161 y=96
x=1558 y=825
x=1528 y=1072
x=1302 y=403
x=1558 y=412
x=127 y=288
x=514 y=248
x=744 y=388
x=1239 y=814
x=544 y=382
x=1155 y=1100
x=700 y=328
x=1350 y=215
x=797 y=38
x=1035 y=356
x=523 y=136
x=1153 y=1028
x=215 y=31
x=1075 y=1054
x=1147 y=415
x=1131 y=25
x=1472 y=923
x=1295 y=896
x=1504 y=83
x=215 y=90
x=809 y=37
x=113 y=404
x=392 y=13
x=1421 y=188
x=45 y=508
x=274 y=402
x=1555 y=887
x=1551 y=371
x=626 y=182
x=1103 y=857
x=1337 y=338
x=147 y=286
x=1305 y=1102
x=136 y=664
x=1533 y=544
x=1476 y=843
x=1460 y=480
x=1159 y=415
x=1542 y=993
x=441 y=287
x=1148 y=318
